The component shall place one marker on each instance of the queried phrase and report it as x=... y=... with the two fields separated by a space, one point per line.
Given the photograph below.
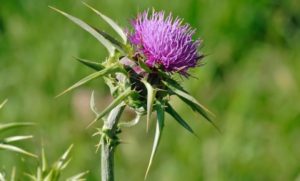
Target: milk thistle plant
x=140 y=71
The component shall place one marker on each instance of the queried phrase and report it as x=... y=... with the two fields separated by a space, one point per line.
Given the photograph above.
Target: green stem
x=109 y=143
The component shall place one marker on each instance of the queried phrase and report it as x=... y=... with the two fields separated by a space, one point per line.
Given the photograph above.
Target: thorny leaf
x=90 y=77
x=94 y=65
x=16 y=149
x=178 y=118
x=78 y=177
x=158 y=131
x=151 y=92
x=192 y=102
x=113 y=24
x=8 y=126
x=118 y=45
x=89 y=29
x=16 y=138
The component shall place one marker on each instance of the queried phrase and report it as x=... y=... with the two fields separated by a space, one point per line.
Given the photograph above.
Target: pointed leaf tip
x=118 y=45
x=112 y=23
x=78 y=177
x=191 y=101
x=7 y=126
x=90 y=77
x=89 y=29
x=170 y=110
x=158 y=132
x=17 y=138
x=151 y=92
x=16 y=149
x=94 y=65
x=62 y=162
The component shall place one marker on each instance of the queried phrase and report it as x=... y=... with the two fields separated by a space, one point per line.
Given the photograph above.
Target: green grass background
x=250 y=81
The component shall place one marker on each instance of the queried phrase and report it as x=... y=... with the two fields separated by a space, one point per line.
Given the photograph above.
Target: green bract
x=132 y=83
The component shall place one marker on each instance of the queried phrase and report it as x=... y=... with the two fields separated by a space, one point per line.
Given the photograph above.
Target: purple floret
x=165 y=42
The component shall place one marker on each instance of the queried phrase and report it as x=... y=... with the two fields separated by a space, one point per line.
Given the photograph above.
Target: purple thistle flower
x=165 y=42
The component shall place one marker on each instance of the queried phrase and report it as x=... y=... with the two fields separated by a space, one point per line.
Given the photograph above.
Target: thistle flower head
x=165 y=42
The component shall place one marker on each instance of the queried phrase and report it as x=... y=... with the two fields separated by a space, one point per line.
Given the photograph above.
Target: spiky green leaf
x=16 y=149
x=108 y=70
x=118 y=45
x=66 y=164
x=94 y=65
x=159 y=128
x=8 y=126
x=59 y=165
x=151 y=92
x=63 y=159
x=113 y=24
x=192 y=102
x=183 y=94
x=201 y=111
x=49 y=176
x=112 y=105
x=89 y=29
x=78 y=177
x=16 y=138
x=178 y=118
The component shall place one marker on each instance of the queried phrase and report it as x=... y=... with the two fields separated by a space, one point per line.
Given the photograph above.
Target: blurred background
x=250 y=81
